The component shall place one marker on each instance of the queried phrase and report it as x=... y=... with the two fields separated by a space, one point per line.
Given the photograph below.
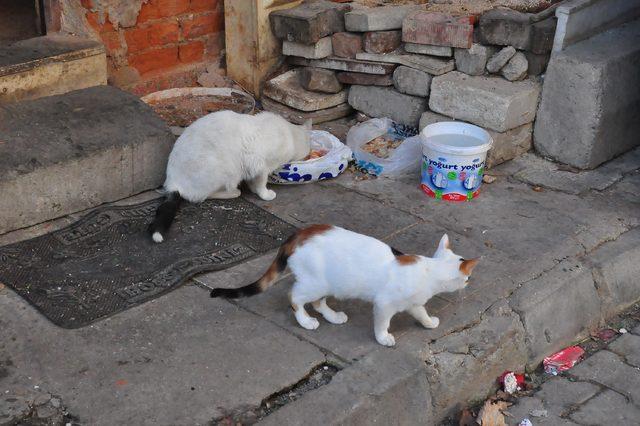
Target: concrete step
x=50 y=65
x=65 y=153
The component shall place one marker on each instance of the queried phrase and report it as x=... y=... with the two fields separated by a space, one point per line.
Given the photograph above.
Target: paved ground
x=555 y=262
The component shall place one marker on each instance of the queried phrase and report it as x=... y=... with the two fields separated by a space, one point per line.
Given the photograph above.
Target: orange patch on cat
x=407 y=259
x=467 y=266
x=303 y=235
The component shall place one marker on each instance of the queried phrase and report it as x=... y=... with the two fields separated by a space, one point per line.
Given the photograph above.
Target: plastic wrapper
x=562 y=360
x=383 y=148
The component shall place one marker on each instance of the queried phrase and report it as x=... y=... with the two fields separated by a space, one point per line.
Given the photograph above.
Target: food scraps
x=382 y=146
x=315 y=153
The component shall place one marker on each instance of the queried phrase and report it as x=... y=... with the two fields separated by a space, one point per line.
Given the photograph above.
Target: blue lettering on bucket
x=444 y=160
x=475 y=160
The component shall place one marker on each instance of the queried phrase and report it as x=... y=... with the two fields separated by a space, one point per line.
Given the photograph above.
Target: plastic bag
x=404 y=159
x=330 y=165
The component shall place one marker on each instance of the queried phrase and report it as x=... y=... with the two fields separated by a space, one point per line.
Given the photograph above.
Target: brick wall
x=167 y=44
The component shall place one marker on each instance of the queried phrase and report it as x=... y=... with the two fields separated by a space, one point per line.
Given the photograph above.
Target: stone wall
x=152 y=44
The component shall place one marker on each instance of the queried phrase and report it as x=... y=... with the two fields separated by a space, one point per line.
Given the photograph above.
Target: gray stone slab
x=627 y=346
x=608 y=408
x=365 y=79
x=318 y=50
x=505 y=27
x=516 y=68
x=556 y=307
x=309 y=21
x=607 y=368
x=411 y=81
x=428 y=49
x=386 y=102
x=588 y=111
x=485 y=101
x=472 y=61
x=286 y=89
x=537 y=171
x=561 y=395
x=66 y=153
x=187 y=359
x=429 y=64
x=627 y=188
x=500 y=59
x=377 y=19
x=319 y=80
x=300 y=117
x=344 y=64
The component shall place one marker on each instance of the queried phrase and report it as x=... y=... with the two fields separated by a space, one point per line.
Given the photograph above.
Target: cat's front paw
x=267 y=195
x=432 y=323
x=338 y=318
x=309 y=323
x=386 y=339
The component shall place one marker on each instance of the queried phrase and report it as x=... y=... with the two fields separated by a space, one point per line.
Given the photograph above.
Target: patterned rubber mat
x=106 y=262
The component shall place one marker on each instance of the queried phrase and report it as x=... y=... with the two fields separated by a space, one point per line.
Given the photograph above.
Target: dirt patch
x=459 y=7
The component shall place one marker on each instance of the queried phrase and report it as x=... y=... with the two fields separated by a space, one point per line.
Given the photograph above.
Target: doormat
x=106 y=262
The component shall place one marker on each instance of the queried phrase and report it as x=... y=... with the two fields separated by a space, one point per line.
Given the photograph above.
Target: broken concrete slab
x=429 y=49
x=377 y=18
x=300 y=117
x=485 y=101
x=365 y=79
x=286 y=89
x=346 y=45
x=472 y=61
x=561 y=395
x=319 y=80
x=318 y=50
x=516 y=68
x=500 y=59
x=411 y=81
x=386 y=102
x=609 y=407
x=423 y=27
x=591 y=94
x=431 y=65
x=382 y=41
x=168 y=356
x=62 y=154
x=308 y=22
x=343 y=64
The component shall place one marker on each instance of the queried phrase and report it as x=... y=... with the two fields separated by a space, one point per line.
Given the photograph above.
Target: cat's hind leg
x=329 y=314
x=258 y=186
x=419 y=312
x=382 y=315
x=298 y=299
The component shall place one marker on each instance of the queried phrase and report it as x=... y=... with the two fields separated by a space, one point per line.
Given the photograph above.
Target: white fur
x=348 y=265
x=220 y=150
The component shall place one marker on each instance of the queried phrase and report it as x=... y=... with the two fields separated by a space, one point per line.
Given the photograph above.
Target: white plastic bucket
x=453 y=160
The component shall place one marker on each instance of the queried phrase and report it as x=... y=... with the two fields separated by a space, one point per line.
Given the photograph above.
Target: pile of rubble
x=414 y=66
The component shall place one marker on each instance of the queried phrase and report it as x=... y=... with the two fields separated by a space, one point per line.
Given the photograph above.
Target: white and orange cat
x=330 y=261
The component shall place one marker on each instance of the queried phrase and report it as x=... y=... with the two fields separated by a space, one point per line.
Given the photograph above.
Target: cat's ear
x=308 y=124
x=466 y=267
x=444 y=244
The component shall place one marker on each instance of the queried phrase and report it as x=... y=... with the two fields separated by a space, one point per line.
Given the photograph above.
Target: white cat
x=330 y=261
x=219 y=151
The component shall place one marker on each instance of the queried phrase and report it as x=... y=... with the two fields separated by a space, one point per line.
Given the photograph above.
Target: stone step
x=50 y=65
x=66 y=153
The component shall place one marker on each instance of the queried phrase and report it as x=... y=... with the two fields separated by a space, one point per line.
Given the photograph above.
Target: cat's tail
x=267 y=280
x=165 y=214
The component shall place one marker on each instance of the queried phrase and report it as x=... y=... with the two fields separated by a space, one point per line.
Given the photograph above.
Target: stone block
x=505 y=27
x=411 y=81
x=386 y=102
x=589 y=108
x=628 y=347
x=516 y=68
x=537 y=63
x=429 y=49
x=542 y=34
x=346 y=45
x=438 y=29
x=286 y=89
x=299 y=117
x=318 y=50
x=319 y=80
x=561 y=395
x=608 y=408
x=556 y=307
x=500 y=59
x=66 y=153
x=308 y=22
x=377 y=18
x=382 y=41
x=365 y=79
x=344 y=64
x=434 y=66
x=472 y=61
x=488 y=102
x=506 y=145
x=616 y=268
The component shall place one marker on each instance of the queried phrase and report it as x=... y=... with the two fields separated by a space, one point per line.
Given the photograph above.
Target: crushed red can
x=562 y=360
x=511 y=381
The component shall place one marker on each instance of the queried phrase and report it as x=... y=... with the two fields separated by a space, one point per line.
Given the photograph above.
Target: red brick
x=382 y=41
x=156 y=9
x=185 y=76
x=191 y=52
x=87 y=4
x=438 y=29
x=111 y=40
x=156 y=59
x=94 y=20
x=200 y=25
x=154 y=35
x=346 y=45
x=203 y=5
x=214 y=44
